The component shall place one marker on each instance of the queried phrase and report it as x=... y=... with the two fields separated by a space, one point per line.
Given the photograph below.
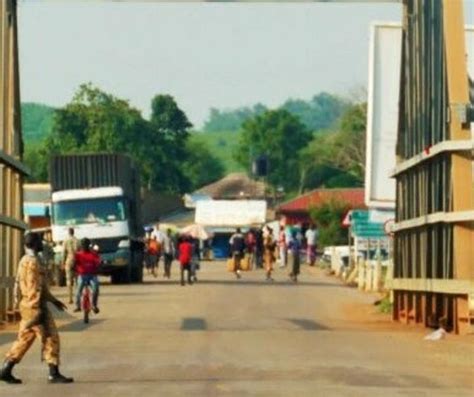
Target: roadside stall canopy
x=231 y=213
x=197 y=231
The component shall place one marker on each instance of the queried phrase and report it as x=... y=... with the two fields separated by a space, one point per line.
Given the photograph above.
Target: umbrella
x=196 y=231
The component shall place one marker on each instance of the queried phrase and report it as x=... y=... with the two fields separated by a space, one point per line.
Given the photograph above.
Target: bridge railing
x=11 y=169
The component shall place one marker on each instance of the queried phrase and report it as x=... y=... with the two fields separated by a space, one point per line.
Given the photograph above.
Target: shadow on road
x=307 y=325
x=276 y=283
x=7 y=337
x=240 y=282
x=79 y=325
x=194 y=324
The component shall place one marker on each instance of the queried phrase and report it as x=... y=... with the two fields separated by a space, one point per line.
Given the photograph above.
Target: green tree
x=170 y=132
x=36 y=158
x=337 y=159
x=36 y=122
x=279 y=135
x=231 y=120
x=201 y=167
x=95 y=121
x=328 y=216
x=320 y=113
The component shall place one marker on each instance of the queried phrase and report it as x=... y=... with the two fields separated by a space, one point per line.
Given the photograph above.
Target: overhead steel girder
x=231 y=1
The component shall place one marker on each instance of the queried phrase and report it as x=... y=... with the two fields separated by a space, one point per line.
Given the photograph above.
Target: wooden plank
x=13 y=222
x=446 y=286
x=458 y=91
x=464 y=145
x=7 y=282
x=438 y=217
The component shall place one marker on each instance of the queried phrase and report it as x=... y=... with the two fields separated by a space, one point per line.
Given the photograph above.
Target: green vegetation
x=328 y=217
x=231 y=120
x=301 y=161
x=222 y=144
x=385 y=306
x=310 y=144
x=337 y=159
x=280 y=136
x=319 y=113
x=95 y=121
x=36 y=121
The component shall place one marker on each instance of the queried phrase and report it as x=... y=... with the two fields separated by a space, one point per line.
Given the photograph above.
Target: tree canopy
x=339 y=155
x=36 y=121
x=280 y=136
x=95 y=121
x=319 y=113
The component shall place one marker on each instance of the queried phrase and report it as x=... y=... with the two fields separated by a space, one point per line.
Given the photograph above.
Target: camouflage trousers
x=70 y=274
x=46 y=331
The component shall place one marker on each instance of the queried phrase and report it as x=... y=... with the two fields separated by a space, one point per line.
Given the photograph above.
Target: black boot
x=56 y=377
x=6 y=373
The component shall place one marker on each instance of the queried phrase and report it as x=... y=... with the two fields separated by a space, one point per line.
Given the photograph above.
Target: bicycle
x=86 y=305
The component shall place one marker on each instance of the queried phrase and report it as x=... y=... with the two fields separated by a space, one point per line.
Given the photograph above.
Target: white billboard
x=382 y=113
x=231 y=212
x=382 y=110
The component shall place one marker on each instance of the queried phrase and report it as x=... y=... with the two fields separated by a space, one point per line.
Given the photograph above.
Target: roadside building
x=37 y=205
x=297 y=210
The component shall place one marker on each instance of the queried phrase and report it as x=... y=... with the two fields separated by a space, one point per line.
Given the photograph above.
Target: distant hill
x=37 y=121
x=321 y=112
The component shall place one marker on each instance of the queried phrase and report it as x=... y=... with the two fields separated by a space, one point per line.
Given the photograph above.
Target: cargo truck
x=99 y=196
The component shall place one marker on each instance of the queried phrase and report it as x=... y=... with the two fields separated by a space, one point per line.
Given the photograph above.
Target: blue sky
x=204 y=54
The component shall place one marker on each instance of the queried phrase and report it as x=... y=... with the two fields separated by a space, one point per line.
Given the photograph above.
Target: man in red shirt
x=87 y=264
x=185 y=250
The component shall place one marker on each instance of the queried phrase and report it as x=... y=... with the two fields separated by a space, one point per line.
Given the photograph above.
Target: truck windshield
x=100 y=210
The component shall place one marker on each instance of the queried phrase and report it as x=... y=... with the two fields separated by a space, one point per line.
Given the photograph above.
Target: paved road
x=224 y=337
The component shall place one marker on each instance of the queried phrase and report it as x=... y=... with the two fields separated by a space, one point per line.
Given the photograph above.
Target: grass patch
x=385 y=305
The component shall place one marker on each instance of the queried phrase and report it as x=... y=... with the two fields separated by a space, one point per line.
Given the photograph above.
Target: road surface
x=228 y=337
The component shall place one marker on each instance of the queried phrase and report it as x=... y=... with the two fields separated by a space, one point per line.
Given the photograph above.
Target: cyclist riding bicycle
x=87 y=263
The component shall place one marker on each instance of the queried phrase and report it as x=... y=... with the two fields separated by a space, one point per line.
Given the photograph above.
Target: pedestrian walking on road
x=250 y=243
x=237 y=248
x=196 y=258
x=31 y=296
x=294 y=246
x=259 y=249
x=269 y=246
x=282 y=247
x=70 y=247
x=185 y=249
x=151 y=255
x=311 y=241
x=168 y=253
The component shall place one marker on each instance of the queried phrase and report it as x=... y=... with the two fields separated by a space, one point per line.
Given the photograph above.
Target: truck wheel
x=115 y=277
x=137 y=274
x=121 y=276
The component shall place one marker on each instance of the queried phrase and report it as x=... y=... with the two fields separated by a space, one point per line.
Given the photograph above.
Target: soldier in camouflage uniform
x=70 y=248
x=32 y=294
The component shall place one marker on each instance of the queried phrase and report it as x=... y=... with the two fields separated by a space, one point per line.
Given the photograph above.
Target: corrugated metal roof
x=234 y=186
x=354 y=197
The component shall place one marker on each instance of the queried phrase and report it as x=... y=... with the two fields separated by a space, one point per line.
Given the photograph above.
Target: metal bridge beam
x=11 y=169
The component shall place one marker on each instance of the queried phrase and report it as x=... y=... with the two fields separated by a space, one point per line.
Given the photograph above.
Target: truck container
x=99 y=196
